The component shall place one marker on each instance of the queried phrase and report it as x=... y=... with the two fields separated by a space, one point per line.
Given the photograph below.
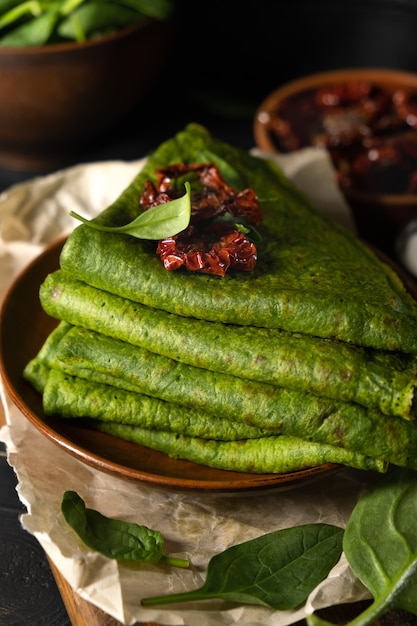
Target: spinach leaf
x=6 y=5
x=116 y=539
x=380 y=544
x=96 y=18
x=278 y=569
x=229 y=173
x=35 y=32
x=164 y=220
x=158 y=9
x=15 y=11
x=39 y=22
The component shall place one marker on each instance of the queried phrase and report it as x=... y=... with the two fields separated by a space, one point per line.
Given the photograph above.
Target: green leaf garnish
x=228 y=172
x=41 y=22
x=380 y=544
x=164 y=220
x=116 y=539
x=241 y=224
x=278 y=570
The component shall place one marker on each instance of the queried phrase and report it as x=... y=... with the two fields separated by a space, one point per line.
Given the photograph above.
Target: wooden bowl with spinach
x=71 y=69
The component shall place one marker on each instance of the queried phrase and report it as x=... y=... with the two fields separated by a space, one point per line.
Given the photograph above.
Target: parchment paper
x=406 y=247
x=197 y=527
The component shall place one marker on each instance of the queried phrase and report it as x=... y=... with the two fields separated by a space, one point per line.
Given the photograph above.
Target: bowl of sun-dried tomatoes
x=366 y=119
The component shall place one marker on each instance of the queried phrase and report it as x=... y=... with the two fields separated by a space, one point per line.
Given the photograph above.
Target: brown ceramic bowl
x=379 y=214
x=55 y=99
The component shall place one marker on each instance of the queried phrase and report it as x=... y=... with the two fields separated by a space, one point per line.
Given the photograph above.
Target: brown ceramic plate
x=24 y=327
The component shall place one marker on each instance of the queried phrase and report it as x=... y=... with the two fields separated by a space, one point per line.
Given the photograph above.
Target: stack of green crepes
x=307 y=359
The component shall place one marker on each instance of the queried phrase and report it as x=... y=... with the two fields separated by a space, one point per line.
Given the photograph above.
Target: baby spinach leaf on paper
x=380 y=544
x=116 y=539
x=157 y=222
x=278 y=569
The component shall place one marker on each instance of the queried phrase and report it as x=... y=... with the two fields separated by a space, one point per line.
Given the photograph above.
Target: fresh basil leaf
x=380 y=544
x=116 y=539
x=164 y=220
x=278 y=569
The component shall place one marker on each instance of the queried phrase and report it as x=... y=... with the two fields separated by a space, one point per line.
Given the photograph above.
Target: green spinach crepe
x=274 y=454
x=338 y=370
x=189 y=434
x=70 y=396
x=277 y=410
x=311 y=276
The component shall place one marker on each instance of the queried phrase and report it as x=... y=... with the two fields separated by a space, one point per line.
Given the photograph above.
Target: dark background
x=229 y=55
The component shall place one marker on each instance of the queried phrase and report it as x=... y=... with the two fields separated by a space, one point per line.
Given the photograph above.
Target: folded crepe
x=70 y=396
x=274 y=454
x=311 y=276
x=276 y=410
x=373 y=378
x=190 y=434
x=179 y=431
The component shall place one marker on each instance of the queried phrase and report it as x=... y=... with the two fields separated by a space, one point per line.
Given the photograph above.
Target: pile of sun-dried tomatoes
x=210 y=244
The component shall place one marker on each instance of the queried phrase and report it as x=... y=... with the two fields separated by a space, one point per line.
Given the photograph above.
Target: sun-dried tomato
x=207 y=245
